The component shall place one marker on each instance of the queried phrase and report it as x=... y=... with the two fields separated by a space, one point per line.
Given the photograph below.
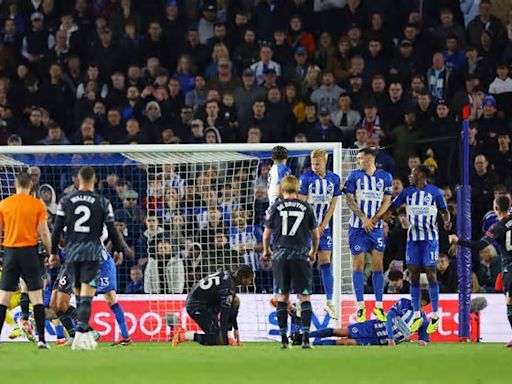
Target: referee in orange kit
x=23 y=219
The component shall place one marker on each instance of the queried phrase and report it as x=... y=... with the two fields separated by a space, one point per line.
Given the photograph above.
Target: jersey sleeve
x=42 y=213
x=283 y=172
x=350 y=184
x=311 y=218
x=269 y=218
x=304 y=184
x=399 y=200
x=440 y=200
x=388 y=184
x=109 y=212
x=337 y=185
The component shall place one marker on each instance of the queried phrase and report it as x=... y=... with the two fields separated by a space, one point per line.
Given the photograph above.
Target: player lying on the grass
x=394 y=331
x=499 y=234
x=211 y=304
x=292 y=223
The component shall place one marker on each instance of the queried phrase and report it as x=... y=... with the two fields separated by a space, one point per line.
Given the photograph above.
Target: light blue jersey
x=369 y=191
x=422 y=206
x=277 y=173
x=320 y=191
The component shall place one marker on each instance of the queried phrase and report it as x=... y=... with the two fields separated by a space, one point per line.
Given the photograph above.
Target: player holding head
x=213 y=305
x=423 y=201
x=83 y=213
x=277 y=172
x=395 y=330
x=500 y=234
x=321 y=188
x=368 y=194
x=23 y=220
x=291 y=222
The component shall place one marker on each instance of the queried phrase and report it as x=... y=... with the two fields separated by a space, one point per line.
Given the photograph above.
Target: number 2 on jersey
x=284 y=217
x=85 y=213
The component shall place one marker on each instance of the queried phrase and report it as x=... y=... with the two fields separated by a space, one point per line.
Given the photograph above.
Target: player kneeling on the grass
x=499 y=233
x=212 y=304
x=394 y=331
x=291 y=222
x=84 y=213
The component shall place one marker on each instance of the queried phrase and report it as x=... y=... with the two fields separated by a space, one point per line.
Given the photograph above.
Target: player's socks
x=3 y=311
x=24 y=306
x=59 y=330
x=40 y=317
x=416 y=299
x=324 y=342
x=509 y=314
x=433 y=290
x=84 y=314
x=324 y=332
x=121 y=320
x=67 y=323
x=72 y=313
x=307 y=312
x=282 y=317
x=327 y=280
x=358 y=279
x=378 y=287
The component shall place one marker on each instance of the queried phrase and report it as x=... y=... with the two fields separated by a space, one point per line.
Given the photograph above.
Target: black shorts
x=291 y=269
x=507 y=284
x=22 y=262
x=63 y=283
x=207 y=320
x=83 y=272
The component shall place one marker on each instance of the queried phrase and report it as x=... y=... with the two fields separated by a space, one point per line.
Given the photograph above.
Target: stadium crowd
x=367 y=73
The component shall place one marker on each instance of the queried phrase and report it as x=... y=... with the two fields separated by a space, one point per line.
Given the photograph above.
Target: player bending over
x=394 y=331
x=83 y=213
x=291 y=221
x=500 y=234
x=368 y=195
x=423 y=201
x=211 y=304
x=321 y=188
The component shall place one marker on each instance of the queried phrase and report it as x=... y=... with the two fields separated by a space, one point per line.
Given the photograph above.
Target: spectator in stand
x=136 y=284
x=246 y=95
x=453 y=56
x=438 y=77
x=328 y=93
x=489 y=123
x=298 y=37
x=37 y=40
x=197 y=96
x=165 y=271
x=361 y=138
x=446 y=274
x=371 y=120
x=404 y=138
x=324 y=130
x=485 y=21
x=482 y=183
x=196 y=135
x=375 y=60
x=501 y=158
x=488 y=268
x=55 y=136
x=345 y=118
x=224 y=80
x=265 y=63
x=502 y=83
x=393 y=112
x=396 y=283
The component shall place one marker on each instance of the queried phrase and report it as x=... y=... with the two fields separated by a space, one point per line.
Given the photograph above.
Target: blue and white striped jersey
x=320 y=191
x=399 y=321
x=369 y=191
x=422 y=206
x=277 y=173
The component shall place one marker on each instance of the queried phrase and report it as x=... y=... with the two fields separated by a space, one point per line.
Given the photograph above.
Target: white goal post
x=228 y=160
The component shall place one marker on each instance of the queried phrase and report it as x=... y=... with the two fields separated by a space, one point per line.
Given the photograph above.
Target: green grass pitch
x=258 y=363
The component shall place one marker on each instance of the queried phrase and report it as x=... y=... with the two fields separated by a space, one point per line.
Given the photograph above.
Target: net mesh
x=183 y=216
